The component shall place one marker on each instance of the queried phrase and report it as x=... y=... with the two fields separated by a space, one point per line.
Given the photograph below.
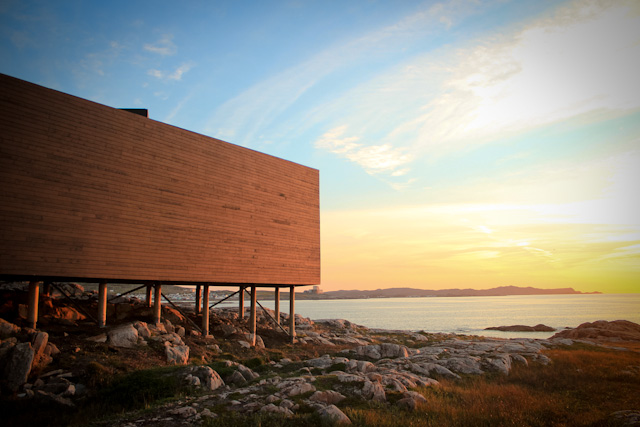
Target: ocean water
x=471 y=315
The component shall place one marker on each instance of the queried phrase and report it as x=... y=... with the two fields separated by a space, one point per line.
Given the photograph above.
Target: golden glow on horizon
x=479 y=246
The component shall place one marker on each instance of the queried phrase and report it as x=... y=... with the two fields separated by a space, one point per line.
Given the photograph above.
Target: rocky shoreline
x=332 y=362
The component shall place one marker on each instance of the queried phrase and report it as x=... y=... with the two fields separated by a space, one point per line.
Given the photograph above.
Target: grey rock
x=320 y=362
x=205 y=376
x=39 y=344
x=463 y=365
x=18 y=366
x=393 y=350
x=97 y=338
x=178 y=355
x=142 y=328
x=300 y=389
x=236 y=378
x=273 y=409
x=373 y=391
x=225 y=330
x=625 y=418
x=499 y=363
x=370 y=351
x=328 y=397
x=123 y=336
x=247 y=373
x=8 y=329
x=333 y=414
x=184 y=412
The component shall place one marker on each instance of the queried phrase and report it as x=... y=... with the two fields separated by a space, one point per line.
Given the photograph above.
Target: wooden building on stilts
x=96 y=194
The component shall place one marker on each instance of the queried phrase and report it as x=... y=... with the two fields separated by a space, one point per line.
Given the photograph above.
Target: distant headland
x=316 y=293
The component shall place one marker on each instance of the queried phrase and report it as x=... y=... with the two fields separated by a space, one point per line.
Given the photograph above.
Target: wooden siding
x=90 y=191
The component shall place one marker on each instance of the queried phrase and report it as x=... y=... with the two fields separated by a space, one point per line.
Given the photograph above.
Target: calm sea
x=470 y=315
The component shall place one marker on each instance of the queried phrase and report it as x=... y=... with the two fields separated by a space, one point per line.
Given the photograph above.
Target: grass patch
x=254 y=363
x=326 y=382
x=141 y=388
x=221 y=368
x=337 y=367
x=266 y=420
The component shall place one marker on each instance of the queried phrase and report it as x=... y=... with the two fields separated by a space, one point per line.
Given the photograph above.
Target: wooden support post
x=157 y=304
x=149 y=292
x=277 y=307
x=205 y=311
x=241 y=303
x=46 y=289
x=102 y=304
x=254 y=314
x=199 y=298
x=292 y=313
x=34 y=297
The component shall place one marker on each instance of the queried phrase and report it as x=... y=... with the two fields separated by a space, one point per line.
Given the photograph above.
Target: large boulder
x=333 y=414
x=177 y=355
x=207 y=377
x=393 y=351
x=8 y=329
x=463 y=365
x=373 y=391
x=18 y=366
x=123 y=336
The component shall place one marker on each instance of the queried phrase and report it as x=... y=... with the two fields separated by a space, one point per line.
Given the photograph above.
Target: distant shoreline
x=422 y=293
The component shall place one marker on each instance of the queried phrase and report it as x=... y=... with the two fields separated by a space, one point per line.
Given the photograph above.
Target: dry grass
x=581 y=388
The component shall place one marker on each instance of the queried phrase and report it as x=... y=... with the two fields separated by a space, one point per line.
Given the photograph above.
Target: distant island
x=418 y=293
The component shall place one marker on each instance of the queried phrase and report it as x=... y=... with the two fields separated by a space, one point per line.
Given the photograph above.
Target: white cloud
x=374 y=158
x=164 y=46
x=581 y=60
x=175 y=75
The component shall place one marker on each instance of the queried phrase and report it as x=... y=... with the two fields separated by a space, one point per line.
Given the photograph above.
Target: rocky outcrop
x=617 y=330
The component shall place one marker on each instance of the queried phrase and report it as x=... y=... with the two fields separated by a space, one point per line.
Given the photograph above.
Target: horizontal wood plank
x=96 y=192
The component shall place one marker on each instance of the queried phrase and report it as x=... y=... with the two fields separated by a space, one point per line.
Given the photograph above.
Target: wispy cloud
x=164 y=46
x=176 y=75
x=578 y=61
x=373 y=158
x=256 y=110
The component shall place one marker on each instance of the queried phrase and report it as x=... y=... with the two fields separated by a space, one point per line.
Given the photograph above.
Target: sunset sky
x=460 y=144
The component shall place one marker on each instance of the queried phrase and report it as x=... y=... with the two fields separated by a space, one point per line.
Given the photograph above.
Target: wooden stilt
x=46 y=289
x=252 y=321
x=198 y=298
x=205 y=311
x=157 y=304
x=102 y=304
x=241 y=303
x=34 y=298
x=149 y=292
x=292 y=313
x=277 y=307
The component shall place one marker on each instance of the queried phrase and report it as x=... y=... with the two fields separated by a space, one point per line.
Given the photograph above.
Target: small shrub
x=254 y=363
x=337 y=367
x=326 y=382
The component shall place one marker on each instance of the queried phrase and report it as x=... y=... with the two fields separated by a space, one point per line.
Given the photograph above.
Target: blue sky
x=460 y=144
